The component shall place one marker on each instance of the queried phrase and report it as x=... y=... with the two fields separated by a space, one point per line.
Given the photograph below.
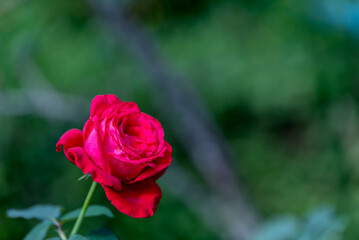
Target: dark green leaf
x=92 y=211
x=39 y=231
x=37 y=211
x=279 y=228
x=77 y=237
x=102 y=234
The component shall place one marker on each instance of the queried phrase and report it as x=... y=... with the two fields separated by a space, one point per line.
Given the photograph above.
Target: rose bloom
x=124 y=150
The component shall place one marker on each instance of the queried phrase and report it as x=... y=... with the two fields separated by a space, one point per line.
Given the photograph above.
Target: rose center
x=138 y=133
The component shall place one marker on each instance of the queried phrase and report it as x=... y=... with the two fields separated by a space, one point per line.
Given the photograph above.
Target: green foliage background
x=281 y=86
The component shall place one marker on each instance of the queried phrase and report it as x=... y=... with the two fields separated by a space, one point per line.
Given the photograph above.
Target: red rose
x=124 y=150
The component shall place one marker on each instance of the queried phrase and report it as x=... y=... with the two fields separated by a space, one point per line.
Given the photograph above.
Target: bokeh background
x=273 y=85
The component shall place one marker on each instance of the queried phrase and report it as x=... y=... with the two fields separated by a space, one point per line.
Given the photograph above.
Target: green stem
x=84 y=208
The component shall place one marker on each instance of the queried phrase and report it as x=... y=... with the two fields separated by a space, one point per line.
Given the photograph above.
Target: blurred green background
x=280 y=78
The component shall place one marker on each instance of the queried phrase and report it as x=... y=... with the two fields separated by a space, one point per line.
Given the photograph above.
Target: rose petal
x=93 y=145
x=158 y=175
x=129 y=107
x=101 y=102
x=160 y=164
x=71 y=138
x=160 y=134
x=138 y=200
x=121 y=156
x=125 y=171
x=82 y=161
